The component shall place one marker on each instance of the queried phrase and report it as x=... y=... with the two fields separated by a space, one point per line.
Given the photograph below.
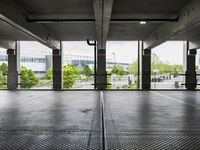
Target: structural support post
x=12 y=76
x=140 y=49
x=101 y=77
x=191 y=69
x=146 y=69
x=57 y=70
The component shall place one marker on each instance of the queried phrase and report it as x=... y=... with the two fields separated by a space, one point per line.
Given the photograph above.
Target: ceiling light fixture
x=143 y=22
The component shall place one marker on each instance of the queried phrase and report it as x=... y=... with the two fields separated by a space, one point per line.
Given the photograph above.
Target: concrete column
x=185 y=50
x=191 y=70
x=12 y=77
x=146 y=69
x=140 y=52
x=57 y=69
x=18 y=50
x=101 y=78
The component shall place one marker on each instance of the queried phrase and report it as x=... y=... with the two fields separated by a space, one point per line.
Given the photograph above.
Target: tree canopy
x=157 y=65
x=70 y=75
x=49 y=74
x=87 y=71
x=3 y=72
x=133 y=68
x=28 y=78
x=4 y=68
x=118 y=70
x=164 y=67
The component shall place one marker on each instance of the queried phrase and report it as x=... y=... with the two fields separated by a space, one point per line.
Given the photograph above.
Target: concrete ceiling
x=130 y=31
x=51 y=21
x=11 y=33
x=147 y=8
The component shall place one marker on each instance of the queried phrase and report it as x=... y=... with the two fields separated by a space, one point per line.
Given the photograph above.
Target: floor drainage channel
x=104 y=141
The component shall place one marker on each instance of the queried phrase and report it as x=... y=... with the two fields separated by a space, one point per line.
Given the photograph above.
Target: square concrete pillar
x=101 y=78
x=57 y=69
x=146 y=69
x=12 y=76
x=191 y=80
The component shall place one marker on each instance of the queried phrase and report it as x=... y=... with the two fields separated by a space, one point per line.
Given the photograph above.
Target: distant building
x=40 y=63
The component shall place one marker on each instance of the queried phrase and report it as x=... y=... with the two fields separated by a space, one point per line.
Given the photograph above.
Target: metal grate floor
x=180 y=140
x=152 y=120
x=49 y=120
x=49 y=140
x=133 y=120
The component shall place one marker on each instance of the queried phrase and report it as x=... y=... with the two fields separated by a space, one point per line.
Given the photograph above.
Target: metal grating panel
x=50 y=120
x=71 y=120
x=50 y=140
x=150 y=121
x=150 y=140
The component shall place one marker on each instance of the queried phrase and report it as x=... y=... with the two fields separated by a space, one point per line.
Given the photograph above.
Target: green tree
x=133 y=68
x=28 y=78
x=49 y=74
x=92 y=70
x=70 y=75
x=118 y=70
x=79 y=69
x=4 y=68
x=109 y=84
x=177 y=68
x=3 y=76
x=87 y=71
x=3 y=80
x=164 y=67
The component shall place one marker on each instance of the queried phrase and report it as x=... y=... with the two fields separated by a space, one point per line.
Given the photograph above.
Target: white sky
x=34 y=47
x=171 y=51
x=125 y=51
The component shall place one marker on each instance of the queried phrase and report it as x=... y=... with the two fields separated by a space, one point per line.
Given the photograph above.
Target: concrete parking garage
x=100 y=118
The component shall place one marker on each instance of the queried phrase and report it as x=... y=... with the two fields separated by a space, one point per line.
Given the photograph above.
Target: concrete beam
x=14 y=15
x=102 y=11
x=189 y=17
x=194 y=45
x=107 y=11
x=6 y=42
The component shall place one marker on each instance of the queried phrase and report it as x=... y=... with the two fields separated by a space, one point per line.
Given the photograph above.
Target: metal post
x=95 y=66
x=95 y=60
